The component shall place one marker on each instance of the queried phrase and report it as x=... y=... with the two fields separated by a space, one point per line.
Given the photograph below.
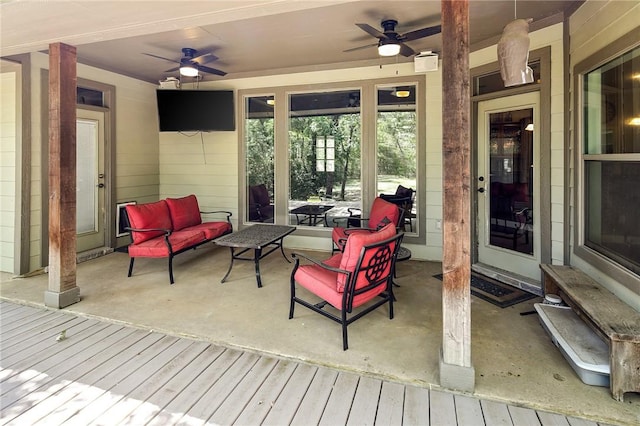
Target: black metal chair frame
x=372 y=273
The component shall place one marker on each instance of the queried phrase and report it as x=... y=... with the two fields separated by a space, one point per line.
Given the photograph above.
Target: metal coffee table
x=256 y=238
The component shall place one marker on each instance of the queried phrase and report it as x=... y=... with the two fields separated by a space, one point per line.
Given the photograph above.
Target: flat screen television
x=195 y=110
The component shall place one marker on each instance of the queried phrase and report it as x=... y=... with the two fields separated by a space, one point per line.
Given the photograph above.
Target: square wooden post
x=456 y=371
x=62 y=290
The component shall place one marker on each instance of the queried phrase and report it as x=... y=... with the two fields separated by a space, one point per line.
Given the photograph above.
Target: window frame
x=608 y=266
x=368 y=154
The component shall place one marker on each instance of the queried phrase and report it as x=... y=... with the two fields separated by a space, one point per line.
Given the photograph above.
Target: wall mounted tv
x=195 y=110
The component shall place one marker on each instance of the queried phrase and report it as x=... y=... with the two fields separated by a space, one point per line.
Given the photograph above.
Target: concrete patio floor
x=514 y=360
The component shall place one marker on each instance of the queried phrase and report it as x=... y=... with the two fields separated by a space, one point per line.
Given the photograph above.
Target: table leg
x=282 y=250
x=230 y=266
x=256 y=260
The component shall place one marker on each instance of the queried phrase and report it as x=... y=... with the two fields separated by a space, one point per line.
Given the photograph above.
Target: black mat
x=495 y=292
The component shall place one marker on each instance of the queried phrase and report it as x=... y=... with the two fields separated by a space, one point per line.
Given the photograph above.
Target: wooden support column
x=62 y=290
x=456 y=371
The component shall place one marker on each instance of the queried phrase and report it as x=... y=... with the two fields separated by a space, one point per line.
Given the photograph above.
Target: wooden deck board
x=238 y=400
x=264 y=399
x=365 y=403
x=442 y=408
x=495 y=413
x=112 y=374
x=390 y=404
x=66 y=387
x=468 y=410
x=523 y=416
x=222 y=388
x=339 y=404
x=311 y=408
x=287 y=403
x=196 y=389
x=416 y=406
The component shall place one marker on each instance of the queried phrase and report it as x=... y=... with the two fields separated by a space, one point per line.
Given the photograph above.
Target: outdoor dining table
x=255 y=237
x=311 y=213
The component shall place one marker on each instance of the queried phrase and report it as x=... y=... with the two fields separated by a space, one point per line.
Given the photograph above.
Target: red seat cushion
x=158 y=248
x=146 y=216
x=320 y=282
x=213 y=229
x=184 y=211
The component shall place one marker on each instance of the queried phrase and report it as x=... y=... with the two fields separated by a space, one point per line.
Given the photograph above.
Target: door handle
x=100 y=185
x=481 y=190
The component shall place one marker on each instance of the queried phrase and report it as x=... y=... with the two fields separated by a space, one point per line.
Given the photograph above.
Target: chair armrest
x=224 y=212
x=166 y=231
x=297 y=256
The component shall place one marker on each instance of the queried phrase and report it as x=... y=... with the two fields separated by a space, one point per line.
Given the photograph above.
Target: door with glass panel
x=90 y=186
x=508 y=184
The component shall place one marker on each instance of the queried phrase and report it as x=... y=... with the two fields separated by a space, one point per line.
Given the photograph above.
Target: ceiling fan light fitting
x=188 y=71
x=388 y=48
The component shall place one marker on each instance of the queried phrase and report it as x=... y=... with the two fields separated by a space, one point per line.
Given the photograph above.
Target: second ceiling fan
x=390 y=42
x=192 y=62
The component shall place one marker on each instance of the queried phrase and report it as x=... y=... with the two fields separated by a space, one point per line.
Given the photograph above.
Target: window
x=396 y=149
x=259 y=158
x=325 y=151
x=324 y=157
x=611 y=159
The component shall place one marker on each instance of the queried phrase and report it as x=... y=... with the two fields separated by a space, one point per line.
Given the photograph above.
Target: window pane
x=396 y=149
x=324 y=157
x=612 y=204
x=490 y=83
x=612 y=106
x=259 y=140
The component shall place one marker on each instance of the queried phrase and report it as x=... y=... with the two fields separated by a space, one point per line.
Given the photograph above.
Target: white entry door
x=508 y=184
x=90 y=195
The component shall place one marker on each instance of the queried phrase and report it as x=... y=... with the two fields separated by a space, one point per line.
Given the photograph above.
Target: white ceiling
x=249 y=37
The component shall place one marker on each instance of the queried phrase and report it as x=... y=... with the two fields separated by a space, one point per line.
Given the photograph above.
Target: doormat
x=495 y=292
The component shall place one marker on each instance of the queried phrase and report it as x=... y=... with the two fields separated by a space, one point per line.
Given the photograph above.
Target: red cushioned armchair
x=360 y=276
x=382 y=212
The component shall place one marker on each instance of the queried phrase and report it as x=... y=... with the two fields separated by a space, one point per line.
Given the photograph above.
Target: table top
x=311 y=209
x=255 y=236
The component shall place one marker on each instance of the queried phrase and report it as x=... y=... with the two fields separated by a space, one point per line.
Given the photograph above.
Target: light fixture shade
x=401 y=93
x=513 y=53
x=388 y=48
x=188 y=70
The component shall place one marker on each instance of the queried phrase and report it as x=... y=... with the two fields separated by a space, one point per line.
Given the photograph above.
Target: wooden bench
x=616 y=322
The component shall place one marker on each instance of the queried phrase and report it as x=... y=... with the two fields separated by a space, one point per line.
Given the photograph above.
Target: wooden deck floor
x=107 y=374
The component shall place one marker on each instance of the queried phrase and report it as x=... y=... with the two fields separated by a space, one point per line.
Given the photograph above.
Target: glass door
x=508 y=180
x=90 y=187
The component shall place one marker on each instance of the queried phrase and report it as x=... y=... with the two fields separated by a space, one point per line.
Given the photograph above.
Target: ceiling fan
x=391 y=43
x=192 y=63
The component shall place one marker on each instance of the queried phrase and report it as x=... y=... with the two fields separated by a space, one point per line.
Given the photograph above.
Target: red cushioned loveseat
x=169 y=227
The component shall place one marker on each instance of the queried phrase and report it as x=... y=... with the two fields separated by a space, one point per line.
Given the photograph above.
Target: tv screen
x=195 y=110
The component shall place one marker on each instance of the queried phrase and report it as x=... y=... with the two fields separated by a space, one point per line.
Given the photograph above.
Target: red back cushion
x=145 y=216
x=184 y=211
x=381 y=209
x=351 y=252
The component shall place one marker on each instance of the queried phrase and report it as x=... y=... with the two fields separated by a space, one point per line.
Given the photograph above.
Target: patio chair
x=259 y=204
x=382 y=212
x=360 y=275
x=403 y=198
